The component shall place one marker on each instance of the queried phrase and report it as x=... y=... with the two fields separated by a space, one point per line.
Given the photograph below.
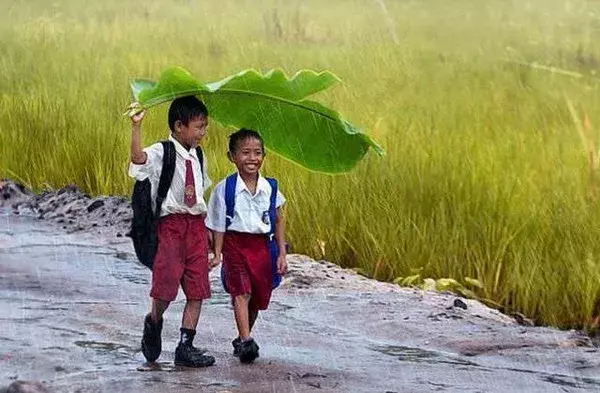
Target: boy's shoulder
x=221 y=184
x=267 y=180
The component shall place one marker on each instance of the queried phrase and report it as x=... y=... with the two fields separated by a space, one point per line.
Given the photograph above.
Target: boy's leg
x=191 y=314
x=158 y=309
x=196 y=287
x=252 y=315
x=244 y=329
x=151 y=339
x=166 y=274
x=239 y=287
x=242 y=317
x=244 y=346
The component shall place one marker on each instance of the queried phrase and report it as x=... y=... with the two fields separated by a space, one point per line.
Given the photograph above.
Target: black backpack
x=145 y=221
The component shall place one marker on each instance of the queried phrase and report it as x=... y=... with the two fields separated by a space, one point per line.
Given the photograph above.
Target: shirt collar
x=262 y=185
x=182 y=150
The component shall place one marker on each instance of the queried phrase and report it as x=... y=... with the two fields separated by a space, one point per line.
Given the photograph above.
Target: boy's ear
x=177 y=125
x=230 y=156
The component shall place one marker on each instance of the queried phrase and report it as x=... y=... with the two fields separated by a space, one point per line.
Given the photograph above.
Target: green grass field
x=489 y=173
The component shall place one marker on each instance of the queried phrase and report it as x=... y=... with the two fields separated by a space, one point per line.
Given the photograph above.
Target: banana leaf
x=300 y=130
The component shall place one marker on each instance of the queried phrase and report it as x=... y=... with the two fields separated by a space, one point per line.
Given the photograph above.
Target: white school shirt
x=251 y=212
x=174 y=201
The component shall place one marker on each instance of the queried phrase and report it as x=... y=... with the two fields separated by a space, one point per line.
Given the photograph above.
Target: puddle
x=124 y=256
x=416 y=355
x=61 y=329
x=104 y=346
x=132 y=277
x=571 y=382
x=275 y=305
x=22 y=319
x=45 y=308
x=63 y=246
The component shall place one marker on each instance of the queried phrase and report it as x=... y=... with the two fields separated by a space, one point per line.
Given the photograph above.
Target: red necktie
x=190 y=188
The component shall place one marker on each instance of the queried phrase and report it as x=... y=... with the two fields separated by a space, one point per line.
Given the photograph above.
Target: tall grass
x=486 y=175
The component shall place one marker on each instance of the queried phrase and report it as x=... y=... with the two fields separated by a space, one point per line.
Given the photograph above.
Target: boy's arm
x=280 y=237
x=215 y=222
x=146 y=162
x=138 y=156
x=218 y=248
x=280 y=230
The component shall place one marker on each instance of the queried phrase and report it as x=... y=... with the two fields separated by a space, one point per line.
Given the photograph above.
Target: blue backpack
x=230 y=185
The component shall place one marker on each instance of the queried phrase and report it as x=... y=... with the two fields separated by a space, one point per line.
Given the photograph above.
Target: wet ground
x=71 y=308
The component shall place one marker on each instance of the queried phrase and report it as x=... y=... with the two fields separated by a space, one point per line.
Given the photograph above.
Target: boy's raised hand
x=135 y=113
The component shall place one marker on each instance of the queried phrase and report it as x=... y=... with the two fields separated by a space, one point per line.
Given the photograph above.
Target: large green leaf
x=174 y=82
x=300 y=130
x=275 y=83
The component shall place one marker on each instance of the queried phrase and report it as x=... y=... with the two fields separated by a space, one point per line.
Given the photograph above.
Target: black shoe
x=236 y=346
x=189 y=356
x=151 y=341
x=248 y=351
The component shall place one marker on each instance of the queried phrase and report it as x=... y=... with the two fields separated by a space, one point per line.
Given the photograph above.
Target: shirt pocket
x=261 y=208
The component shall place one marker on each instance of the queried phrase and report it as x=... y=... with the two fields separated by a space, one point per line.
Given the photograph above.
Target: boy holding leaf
x=182 y=254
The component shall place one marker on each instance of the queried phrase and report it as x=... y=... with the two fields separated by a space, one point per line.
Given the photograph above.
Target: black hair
x=185 y=109
x=242 y=134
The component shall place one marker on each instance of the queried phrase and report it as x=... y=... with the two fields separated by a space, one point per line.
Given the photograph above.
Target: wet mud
x=73 y=302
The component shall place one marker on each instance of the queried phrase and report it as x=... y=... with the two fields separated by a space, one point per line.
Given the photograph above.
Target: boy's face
x=193 y=133
x=248 y=156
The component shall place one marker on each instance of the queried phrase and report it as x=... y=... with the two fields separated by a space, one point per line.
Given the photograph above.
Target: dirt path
x=72 y=306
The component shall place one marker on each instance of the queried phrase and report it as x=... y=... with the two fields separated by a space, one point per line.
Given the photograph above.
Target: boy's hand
x=214 y=262
x=282 y=264
x=135 y=113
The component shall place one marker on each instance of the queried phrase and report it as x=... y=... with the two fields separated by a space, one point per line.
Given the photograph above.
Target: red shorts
x=181 y=258
x=247 y=264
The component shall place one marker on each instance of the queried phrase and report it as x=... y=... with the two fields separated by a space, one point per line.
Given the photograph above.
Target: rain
x=440 y=176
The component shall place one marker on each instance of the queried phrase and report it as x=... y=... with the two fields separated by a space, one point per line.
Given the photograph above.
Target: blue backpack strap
x=272 y=206
x=230 y=185
x=273 y=246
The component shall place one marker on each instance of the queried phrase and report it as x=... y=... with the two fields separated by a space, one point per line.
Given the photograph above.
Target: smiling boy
x=182 y=254
x=251 y=261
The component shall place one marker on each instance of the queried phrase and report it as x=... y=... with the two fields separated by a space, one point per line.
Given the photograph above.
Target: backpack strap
x=200 y=155
x=166 y=176
x=272 y=206
x=273 y=247
x=230 y=185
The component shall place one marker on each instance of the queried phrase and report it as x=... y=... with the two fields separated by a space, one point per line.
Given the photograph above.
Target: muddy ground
x=73 y=297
